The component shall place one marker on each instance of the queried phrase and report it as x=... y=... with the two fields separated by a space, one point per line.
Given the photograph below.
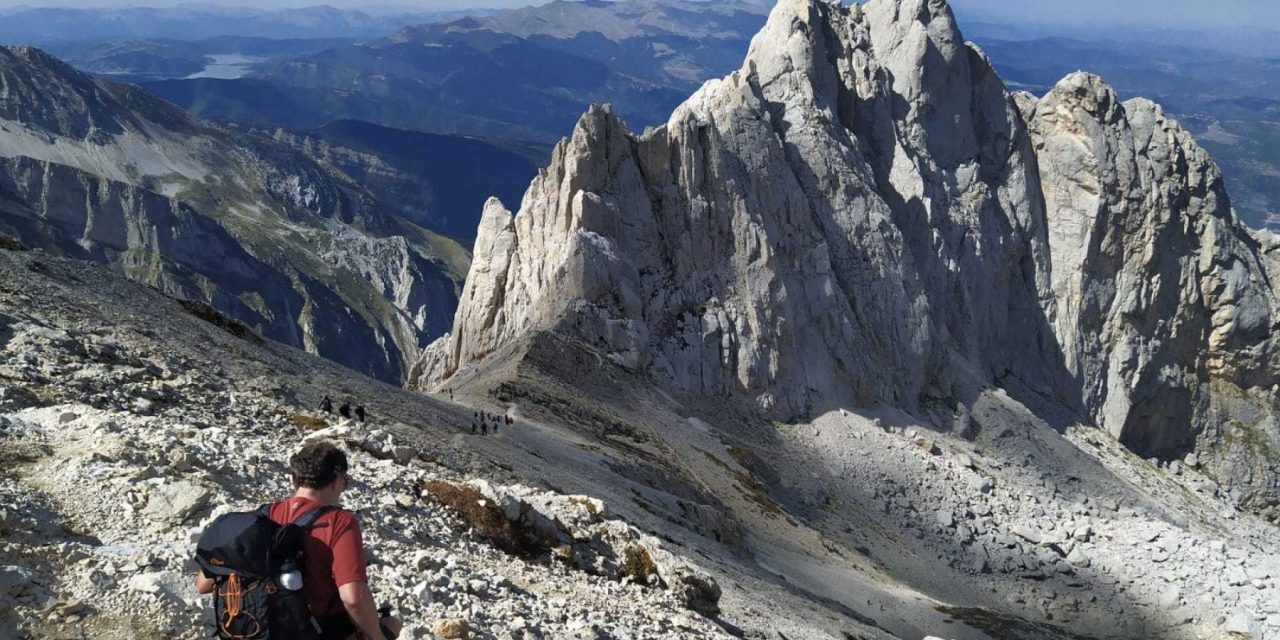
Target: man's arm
x=204 y=584
x=358 y=600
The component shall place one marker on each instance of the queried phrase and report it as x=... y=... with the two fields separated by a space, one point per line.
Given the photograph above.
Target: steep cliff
x=261 y=231
x=1160 y=294
x=790 y=233
x=864 y=214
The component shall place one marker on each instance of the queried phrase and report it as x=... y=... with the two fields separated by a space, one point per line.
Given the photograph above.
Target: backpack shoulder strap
x=265 y=510
x=309 y=518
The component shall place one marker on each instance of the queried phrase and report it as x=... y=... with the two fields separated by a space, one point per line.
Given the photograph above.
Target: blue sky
x=1263 y=14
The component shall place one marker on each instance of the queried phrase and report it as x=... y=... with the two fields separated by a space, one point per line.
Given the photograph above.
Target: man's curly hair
x=317 y=465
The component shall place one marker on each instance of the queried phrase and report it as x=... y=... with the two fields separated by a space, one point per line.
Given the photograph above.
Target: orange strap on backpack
x=233 y=597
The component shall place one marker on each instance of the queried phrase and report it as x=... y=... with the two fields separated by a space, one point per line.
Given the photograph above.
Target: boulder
x=1029 y=534
x=15 y=578
x=174 y=501
x=1241 y=622
x=696 y=590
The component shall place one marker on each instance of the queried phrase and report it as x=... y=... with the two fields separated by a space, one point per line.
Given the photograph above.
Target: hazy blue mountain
x=437 y=182
x=255 y=227
x=263 y=102
x=50 y=25
x=1231 y=103
x=524 y=74
x=142 y=60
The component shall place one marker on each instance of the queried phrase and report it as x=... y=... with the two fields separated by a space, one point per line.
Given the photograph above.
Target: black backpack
x=245 y=555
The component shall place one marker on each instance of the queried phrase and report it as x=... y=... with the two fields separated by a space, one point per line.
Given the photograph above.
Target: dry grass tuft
x=213 y=316
x=637 y=564
x=487 y=519
x=308 y=423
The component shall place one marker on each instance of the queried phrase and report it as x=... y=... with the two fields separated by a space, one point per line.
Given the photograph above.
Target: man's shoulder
x=341 y=518
x=292 y=508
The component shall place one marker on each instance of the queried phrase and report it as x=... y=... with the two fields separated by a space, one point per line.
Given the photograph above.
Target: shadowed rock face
x=263 y=233
x=864 y=214
x=1159 y=291
x=790 y=233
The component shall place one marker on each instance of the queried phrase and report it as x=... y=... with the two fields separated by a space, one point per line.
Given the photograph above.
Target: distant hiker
x=326 y=405
x=330 y=574
x=345 y=410
x=509 y=420
x=473 y=427
x=360 y=412
x=484 y=428
x=495 y=426
x=450 y=390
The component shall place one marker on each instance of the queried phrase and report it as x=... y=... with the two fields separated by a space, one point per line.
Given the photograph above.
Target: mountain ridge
x=442 y=78
x=823 y=227
x=343 y=277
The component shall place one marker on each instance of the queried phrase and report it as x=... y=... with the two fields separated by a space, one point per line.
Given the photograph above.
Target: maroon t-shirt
x=333 y=553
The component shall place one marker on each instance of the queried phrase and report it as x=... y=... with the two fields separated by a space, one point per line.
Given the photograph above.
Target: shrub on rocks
x=452 y=628
x=485 y=517
x=9 y=243
x=213 y=316
x=638 y=565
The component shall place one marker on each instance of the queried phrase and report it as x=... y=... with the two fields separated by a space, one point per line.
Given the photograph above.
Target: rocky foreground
x=126 y=426
x=115 y=450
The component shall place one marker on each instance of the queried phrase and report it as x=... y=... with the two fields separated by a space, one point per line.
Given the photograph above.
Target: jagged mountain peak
x=813 y=129
x=1089 y=92
x=864 y=214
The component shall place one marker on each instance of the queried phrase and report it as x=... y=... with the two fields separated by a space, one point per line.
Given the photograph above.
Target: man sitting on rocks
x=333 y=571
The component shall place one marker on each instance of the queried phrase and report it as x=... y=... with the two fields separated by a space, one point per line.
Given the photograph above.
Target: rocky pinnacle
x=864 y=214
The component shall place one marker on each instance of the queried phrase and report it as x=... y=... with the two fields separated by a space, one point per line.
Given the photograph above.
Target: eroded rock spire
x=864 y=214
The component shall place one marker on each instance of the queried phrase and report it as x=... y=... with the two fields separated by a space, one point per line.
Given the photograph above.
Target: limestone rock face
x=863 y=213
x=1159 y=291
x=820 y=227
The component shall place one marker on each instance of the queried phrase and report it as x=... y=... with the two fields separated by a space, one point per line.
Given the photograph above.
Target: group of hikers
x=326 y=405
x=485 y=421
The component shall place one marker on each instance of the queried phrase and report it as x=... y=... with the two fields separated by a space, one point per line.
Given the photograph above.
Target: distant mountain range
x=524 y=74
x=521 y=77
x=253 y=226
x=50 y=25
x=1230 y=102
x=141 y=60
